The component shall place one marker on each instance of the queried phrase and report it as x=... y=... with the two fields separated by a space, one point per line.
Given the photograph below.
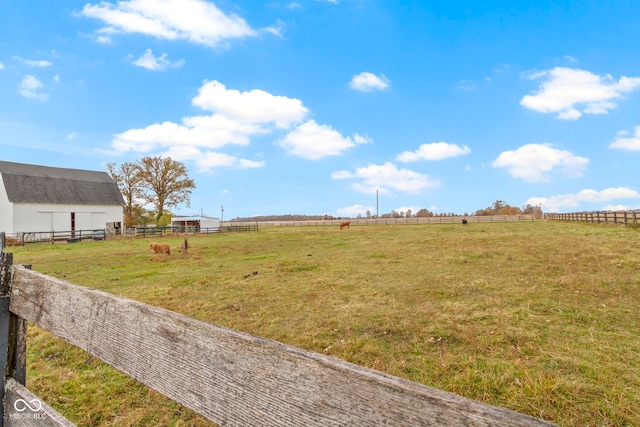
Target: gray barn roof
x=42 y=184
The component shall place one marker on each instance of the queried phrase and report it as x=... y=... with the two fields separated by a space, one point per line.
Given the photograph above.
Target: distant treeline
x=499 y=207
x=262 y=218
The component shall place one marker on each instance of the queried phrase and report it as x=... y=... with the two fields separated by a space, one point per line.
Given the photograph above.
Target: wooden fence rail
x=229 y=377
x=616 y=217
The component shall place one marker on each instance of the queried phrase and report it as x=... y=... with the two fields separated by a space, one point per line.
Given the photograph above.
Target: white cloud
x=255 y=106
x=627 y=144
x=72 y=135
x=201 y=131
x=156 y=63
x=30 y=88
x=236 y=117
x=34 y=63
x=1 y=66
x=466 y=85
x=434 y=151
x=573 y=201
x=277 y=29
x=534 y=162
x=355 y=210
x=103 y=39
x=197 y=21
x=385 y=178
x=367 y=82
x=572 y=92
x=210 y=159
x=617 y=208
x=313 y=141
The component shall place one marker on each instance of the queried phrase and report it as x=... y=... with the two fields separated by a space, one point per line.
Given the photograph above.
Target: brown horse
x=345 y=224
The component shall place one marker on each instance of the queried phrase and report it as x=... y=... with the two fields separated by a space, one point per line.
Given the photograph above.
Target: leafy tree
x=510 y=210
x=423 y=213
x=499 y=207
x=145 y=217
x=164 y=183
x=128 y=181
x=165 y=219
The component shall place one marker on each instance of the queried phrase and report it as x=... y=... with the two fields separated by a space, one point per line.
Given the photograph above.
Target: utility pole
x=221 y=215
x=377 y=211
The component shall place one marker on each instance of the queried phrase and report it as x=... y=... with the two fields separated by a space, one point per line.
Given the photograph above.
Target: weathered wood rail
x=616 y=217
x=229 y=377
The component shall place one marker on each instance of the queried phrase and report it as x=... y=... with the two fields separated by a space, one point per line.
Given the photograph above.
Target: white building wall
x=46 y=217
x=205 y=221
x=6 y=210
x=209 y=223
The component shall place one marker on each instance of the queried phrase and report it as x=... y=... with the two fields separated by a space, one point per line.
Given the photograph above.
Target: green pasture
x=538 y=317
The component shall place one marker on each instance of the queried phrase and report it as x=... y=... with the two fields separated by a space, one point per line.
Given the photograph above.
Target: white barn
x=46 y=199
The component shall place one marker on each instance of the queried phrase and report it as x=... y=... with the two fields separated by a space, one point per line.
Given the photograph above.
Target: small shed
x=192 y=224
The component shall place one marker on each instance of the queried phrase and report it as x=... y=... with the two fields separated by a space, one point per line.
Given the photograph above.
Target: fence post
x=6 y=259
x=13 y=335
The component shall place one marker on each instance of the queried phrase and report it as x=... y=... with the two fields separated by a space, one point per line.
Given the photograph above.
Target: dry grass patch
x=536 y=317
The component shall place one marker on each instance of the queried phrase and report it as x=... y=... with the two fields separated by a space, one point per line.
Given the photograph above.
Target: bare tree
x=164 y=182
x=128 y=181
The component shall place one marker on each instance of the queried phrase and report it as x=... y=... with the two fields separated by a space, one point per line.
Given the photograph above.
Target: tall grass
x=541 y=318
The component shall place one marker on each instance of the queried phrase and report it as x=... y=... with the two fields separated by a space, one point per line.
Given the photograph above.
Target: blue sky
x=314 y=107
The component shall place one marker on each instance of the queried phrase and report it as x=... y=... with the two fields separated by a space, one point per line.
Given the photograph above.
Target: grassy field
x=538 y=317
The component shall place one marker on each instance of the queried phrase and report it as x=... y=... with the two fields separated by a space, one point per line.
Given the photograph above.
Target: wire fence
x=165 y=231
x=70 y=236
x=73 y=236
x=457 y=219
